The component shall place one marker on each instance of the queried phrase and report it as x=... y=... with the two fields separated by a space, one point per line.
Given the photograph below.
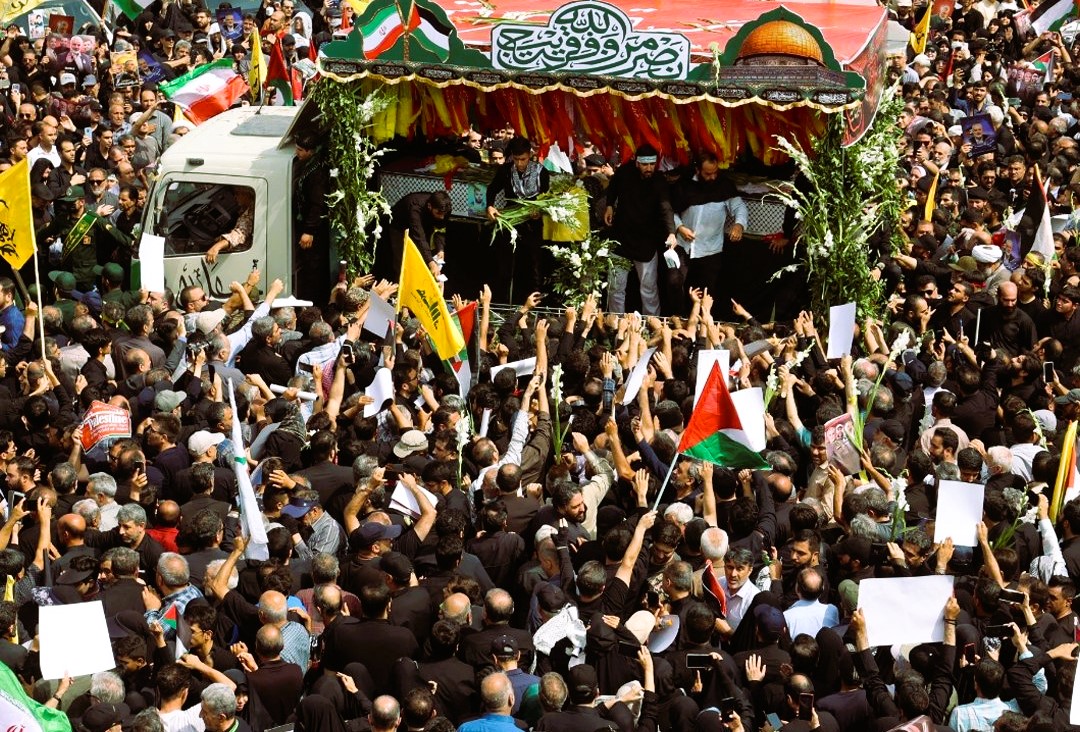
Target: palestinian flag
x=1037 y=232
x=132 y=8
x=1051 y=15
x=385 y=29
x=715 y=432
x=714 y=594
x=206 y=90
x=459 y=364
x=1045 y=64
x=279 y=76
x=433 y=33
x=170 y=618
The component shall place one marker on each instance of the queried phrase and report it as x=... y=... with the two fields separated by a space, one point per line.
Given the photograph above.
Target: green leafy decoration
x=355 y=203
x=850 y=195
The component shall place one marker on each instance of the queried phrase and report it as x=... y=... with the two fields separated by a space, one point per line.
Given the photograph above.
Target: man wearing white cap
x=989 y=258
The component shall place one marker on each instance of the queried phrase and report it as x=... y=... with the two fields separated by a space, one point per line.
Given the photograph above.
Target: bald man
x=497 y=699
x=273 y=610
x=70 y=529
x=457 y=608
x=475 y=648
x=278 y=682
x=166 y=525
x=808 y=614
x=385 y=715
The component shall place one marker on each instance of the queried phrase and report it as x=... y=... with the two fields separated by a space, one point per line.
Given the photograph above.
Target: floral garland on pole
x=847 y=195
x=355 y=208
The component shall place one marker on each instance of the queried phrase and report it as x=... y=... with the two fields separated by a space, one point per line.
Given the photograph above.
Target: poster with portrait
x=149 y=69
x=62 y=25
x=978 y=130
x=230 y=21
x=36 y=23
x=124 y=69
x=1024 y=82
x=840 y=444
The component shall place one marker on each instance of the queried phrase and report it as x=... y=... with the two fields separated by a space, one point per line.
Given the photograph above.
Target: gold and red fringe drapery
x=607 y=120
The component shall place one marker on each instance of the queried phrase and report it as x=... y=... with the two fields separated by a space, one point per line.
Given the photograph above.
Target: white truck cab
x=197 y=198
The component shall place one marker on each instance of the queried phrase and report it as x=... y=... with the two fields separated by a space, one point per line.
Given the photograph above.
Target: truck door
x=193 y=212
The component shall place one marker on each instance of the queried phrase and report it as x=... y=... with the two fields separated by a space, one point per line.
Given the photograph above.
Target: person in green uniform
x=112 y=286
x=64 y=285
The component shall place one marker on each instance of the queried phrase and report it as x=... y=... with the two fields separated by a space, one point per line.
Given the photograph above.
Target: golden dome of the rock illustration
x=781 y=37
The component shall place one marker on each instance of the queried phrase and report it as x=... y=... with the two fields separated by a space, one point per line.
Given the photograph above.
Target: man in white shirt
x=809 y=615
x=46 y=147
x=738 y=564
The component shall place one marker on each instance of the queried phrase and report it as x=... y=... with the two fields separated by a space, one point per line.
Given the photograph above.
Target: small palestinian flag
x=170 y=618
x=715 y=432
x=715 y=597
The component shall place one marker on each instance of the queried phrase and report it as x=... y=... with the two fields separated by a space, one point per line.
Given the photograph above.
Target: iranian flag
x=1051 y=14
x=385 y=28
x=20 y=712
x=132 y=8
x=715 y=432
x=206 y=90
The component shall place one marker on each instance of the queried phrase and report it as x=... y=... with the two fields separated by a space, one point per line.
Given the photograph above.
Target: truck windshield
x=196 y=216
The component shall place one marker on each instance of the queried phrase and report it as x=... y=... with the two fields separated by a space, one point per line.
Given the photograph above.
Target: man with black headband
x=642 y=221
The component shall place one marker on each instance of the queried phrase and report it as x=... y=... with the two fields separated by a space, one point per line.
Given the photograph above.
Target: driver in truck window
x=240 y=236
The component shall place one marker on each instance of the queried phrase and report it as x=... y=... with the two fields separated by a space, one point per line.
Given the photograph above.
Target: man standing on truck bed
x=311 y=180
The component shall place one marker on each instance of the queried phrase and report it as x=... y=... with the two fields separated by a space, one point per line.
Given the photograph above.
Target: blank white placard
x=905 y=609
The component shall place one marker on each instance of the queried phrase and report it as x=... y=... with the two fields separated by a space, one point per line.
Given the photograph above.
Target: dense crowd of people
x=530 y=551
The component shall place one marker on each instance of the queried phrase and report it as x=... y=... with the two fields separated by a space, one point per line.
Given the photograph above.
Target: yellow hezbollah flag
x=931 y=198
x=917 y=39
x=16 y=8
x=257 y=72
x=16 y=217
x=1066 y=472
x=419 y=292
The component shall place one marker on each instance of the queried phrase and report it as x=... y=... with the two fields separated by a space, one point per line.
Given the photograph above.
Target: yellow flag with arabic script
x=917 y=38
x=16 y=8
x=419 y=292
x=931 y=198
x=16 y=216
x=257 y=72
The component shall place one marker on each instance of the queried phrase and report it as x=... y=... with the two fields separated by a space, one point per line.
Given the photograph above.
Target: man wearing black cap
x=411 y=606
x=505 y=654
x=643 y=222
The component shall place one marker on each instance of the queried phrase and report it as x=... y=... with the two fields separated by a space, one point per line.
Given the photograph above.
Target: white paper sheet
x=524 y=367
x=841 y=330
x=705 y=360
x=380 y=316
x=403 y=500
x=905 y=609
x=152 y=262
x=637 y=376
x=74 y=640
x=381 y=389
x=750 y=405
x=959 y=508
x=485 y=422
x=1074 y=708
